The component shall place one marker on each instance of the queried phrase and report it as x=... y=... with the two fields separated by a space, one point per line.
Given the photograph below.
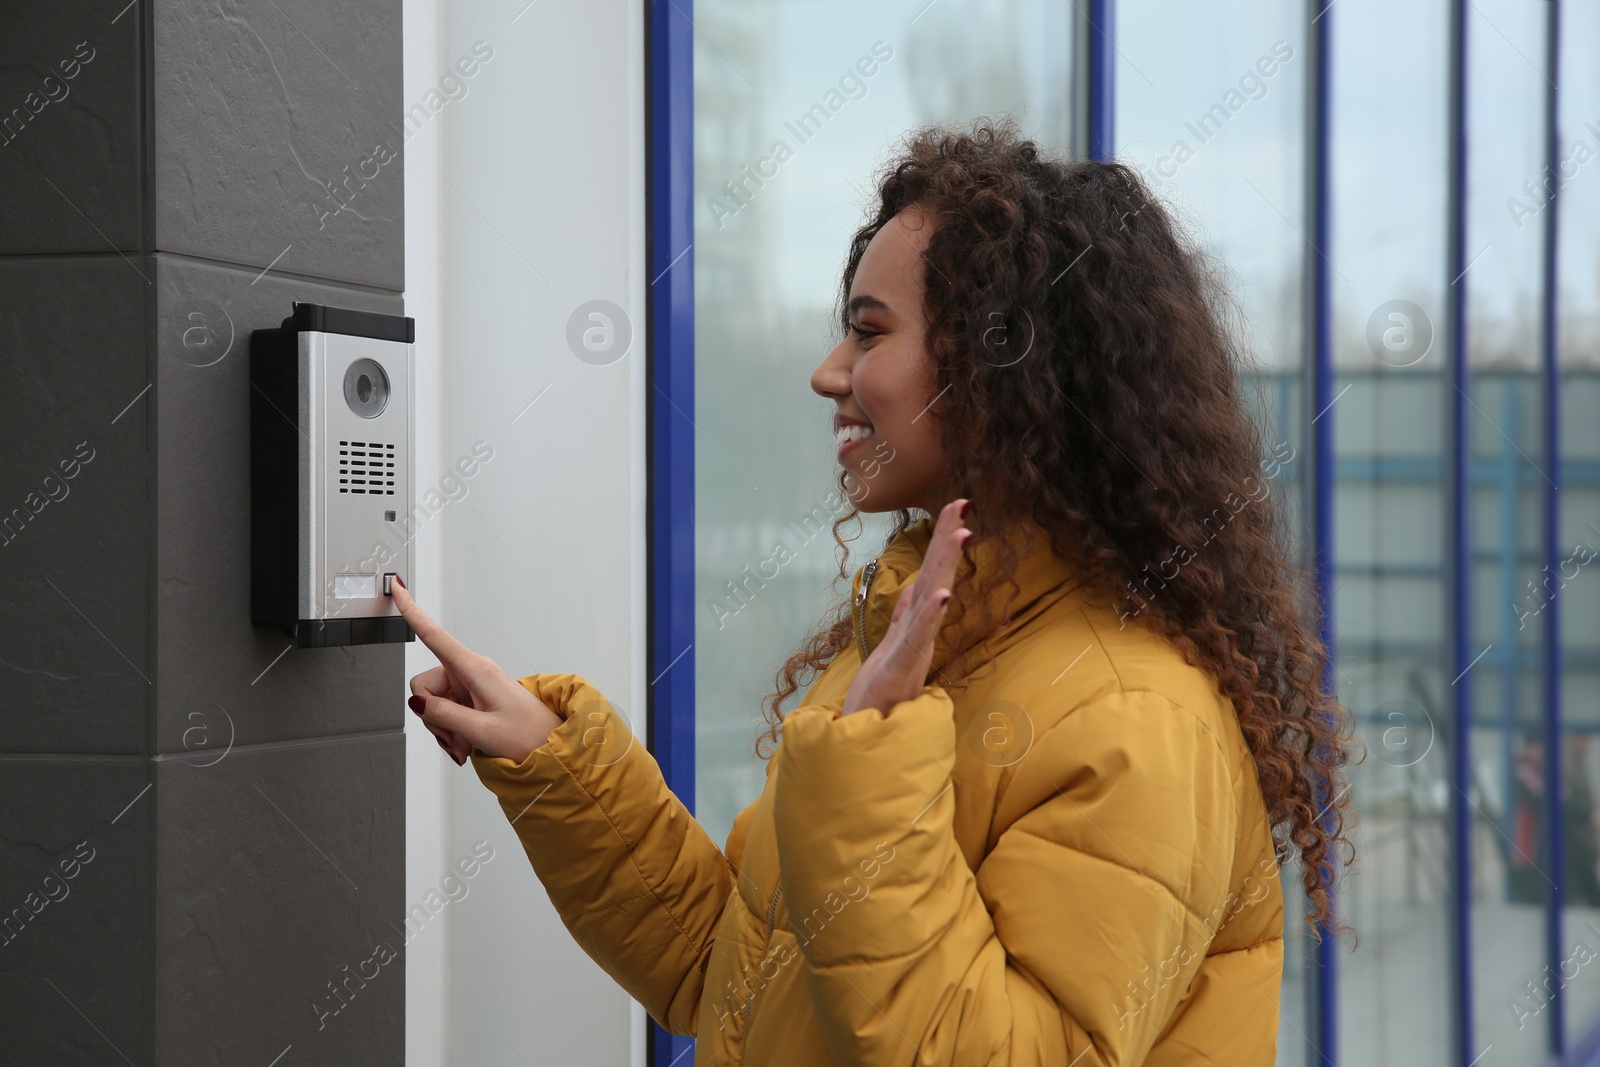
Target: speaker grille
x=366 y=467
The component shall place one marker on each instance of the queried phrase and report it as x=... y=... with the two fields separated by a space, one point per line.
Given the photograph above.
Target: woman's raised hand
x=898 y=668
x=468 y=701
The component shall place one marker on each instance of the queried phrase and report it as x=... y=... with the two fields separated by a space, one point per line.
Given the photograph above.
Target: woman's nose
x=831 y=379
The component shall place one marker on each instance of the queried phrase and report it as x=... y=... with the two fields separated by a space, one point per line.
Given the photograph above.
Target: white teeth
x=845 y=434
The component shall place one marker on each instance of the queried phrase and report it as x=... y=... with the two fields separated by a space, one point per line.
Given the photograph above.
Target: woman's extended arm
x=635 y=879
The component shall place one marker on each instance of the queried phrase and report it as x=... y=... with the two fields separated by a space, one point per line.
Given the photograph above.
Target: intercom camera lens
x=366 y=388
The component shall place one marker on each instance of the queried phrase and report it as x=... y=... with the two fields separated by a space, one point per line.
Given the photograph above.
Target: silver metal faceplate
x=345 y=537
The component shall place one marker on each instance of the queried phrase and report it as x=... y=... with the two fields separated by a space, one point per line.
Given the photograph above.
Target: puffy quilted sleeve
x=635 y=878
x=1075 y=938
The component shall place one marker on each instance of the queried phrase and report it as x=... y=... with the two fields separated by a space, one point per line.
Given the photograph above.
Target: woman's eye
x=860 y=333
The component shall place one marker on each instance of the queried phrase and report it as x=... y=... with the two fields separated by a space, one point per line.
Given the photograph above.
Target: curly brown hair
x=1123 y=430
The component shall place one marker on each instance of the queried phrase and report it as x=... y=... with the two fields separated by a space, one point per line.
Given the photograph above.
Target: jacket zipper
x=772 y=912
x=772 y=917
x=861 y=607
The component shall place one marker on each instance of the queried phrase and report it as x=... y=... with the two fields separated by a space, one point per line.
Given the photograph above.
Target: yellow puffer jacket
x=1061 y=858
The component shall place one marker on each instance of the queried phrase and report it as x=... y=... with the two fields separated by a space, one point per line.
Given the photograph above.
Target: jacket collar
x=1042 y=579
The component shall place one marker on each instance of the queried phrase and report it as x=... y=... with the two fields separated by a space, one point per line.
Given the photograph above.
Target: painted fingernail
x=966 y=506
x=417 y=704
x=442 y=745
x=400 y=580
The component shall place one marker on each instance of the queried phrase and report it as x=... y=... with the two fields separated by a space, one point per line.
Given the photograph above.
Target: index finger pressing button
x=451 y=652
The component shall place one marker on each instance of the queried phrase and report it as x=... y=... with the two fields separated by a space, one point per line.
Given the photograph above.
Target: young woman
x=1032 y=807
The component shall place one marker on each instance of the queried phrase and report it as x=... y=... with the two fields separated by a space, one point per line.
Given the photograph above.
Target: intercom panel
x=332 y=497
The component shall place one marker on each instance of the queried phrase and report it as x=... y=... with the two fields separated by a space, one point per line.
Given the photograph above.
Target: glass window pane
x=1508 y=479
x=1578 y=334
x=1389 y=103
x=788 y=131
x=1212 y=112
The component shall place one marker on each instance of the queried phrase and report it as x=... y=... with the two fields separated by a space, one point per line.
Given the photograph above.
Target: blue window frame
x=670 y=329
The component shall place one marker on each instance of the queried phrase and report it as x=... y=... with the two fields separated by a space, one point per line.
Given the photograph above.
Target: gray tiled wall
x=241 y=806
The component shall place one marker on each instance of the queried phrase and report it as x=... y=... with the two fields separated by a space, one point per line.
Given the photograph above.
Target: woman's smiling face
x=881 y=379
